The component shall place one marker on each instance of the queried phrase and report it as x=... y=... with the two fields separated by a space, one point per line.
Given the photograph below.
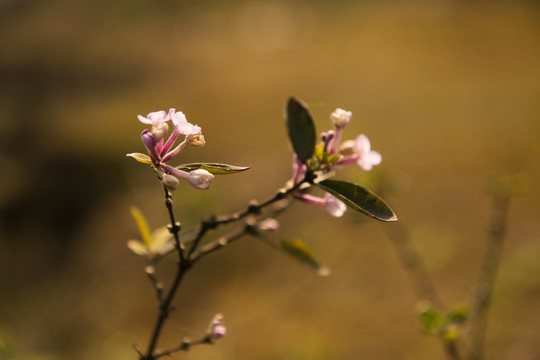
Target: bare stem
x=183 y=266
x=482 y=295
x=413 y=264
x=185 y=346
x=174 y=227
x=221 y=242
x=164 y=311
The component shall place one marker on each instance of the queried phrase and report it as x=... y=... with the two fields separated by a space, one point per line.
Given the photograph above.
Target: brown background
x=446 y=90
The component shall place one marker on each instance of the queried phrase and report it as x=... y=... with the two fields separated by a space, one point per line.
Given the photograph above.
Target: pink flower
x=160 y=152
x=299 y=170
x=181 y=127
x=181 y=124
x=199 y=179
x=359 y=151
x=334 y=206
x=366 y=158
x=158 y=120
x=154 y=117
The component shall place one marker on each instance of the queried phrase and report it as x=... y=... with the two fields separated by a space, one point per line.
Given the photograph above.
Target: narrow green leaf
x=359 y=199
x=301 y=129
x=297 y=249
x=142 y=225
x=213 y=168
x=142 y=158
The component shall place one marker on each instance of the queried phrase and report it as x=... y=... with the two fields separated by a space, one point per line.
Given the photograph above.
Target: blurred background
x=447 y=91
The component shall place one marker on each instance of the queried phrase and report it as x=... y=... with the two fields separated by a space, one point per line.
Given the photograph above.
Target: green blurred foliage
x=447 y=92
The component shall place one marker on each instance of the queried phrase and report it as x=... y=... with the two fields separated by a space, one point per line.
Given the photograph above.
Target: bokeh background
x=448 y=91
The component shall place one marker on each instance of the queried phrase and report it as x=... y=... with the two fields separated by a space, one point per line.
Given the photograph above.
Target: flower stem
x=486 y=282
x=183 y=265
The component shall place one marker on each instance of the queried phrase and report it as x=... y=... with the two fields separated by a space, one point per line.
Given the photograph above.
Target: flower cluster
x=161 y=151
x=332 y=152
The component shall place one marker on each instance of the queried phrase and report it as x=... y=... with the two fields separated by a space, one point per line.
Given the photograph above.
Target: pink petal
x=374 y=157
x=334 y=206
x=362 y=144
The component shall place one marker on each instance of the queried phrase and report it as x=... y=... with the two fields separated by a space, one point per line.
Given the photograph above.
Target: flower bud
x=216 y=320
x=196 y=140
x=159 y=130
x=327 y=136
x=200 y=179
x=216 y=329
x=269 y=224
x=340 y=118
x=170 y=182
x=218 y=332
x=148 y=139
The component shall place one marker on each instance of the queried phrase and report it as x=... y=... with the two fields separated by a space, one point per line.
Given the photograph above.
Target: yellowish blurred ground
x=446 y=90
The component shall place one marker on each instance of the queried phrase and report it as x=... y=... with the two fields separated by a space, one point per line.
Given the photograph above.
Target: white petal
x=143 y=119
x=157 y=116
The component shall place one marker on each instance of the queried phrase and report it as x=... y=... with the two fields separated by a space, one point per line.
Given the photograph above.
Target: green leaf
x=430 y=320
x=359 y=199
x=142 y=158
x=213 y=168
x=297 y=249
x=301 y=129
x=142 y=225
x=457 y=316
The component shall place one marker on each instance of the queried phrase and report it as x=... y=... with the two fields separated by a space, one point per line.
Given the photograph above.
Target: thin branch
x=412 y=262
x=484 y=290
x=250 y=227
x=150 y=271
x=414 y=266
x=185 y=346
x=252 y=209
x=183 y=266
x=221 y=242
x=164 y=310
x=174 y=227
